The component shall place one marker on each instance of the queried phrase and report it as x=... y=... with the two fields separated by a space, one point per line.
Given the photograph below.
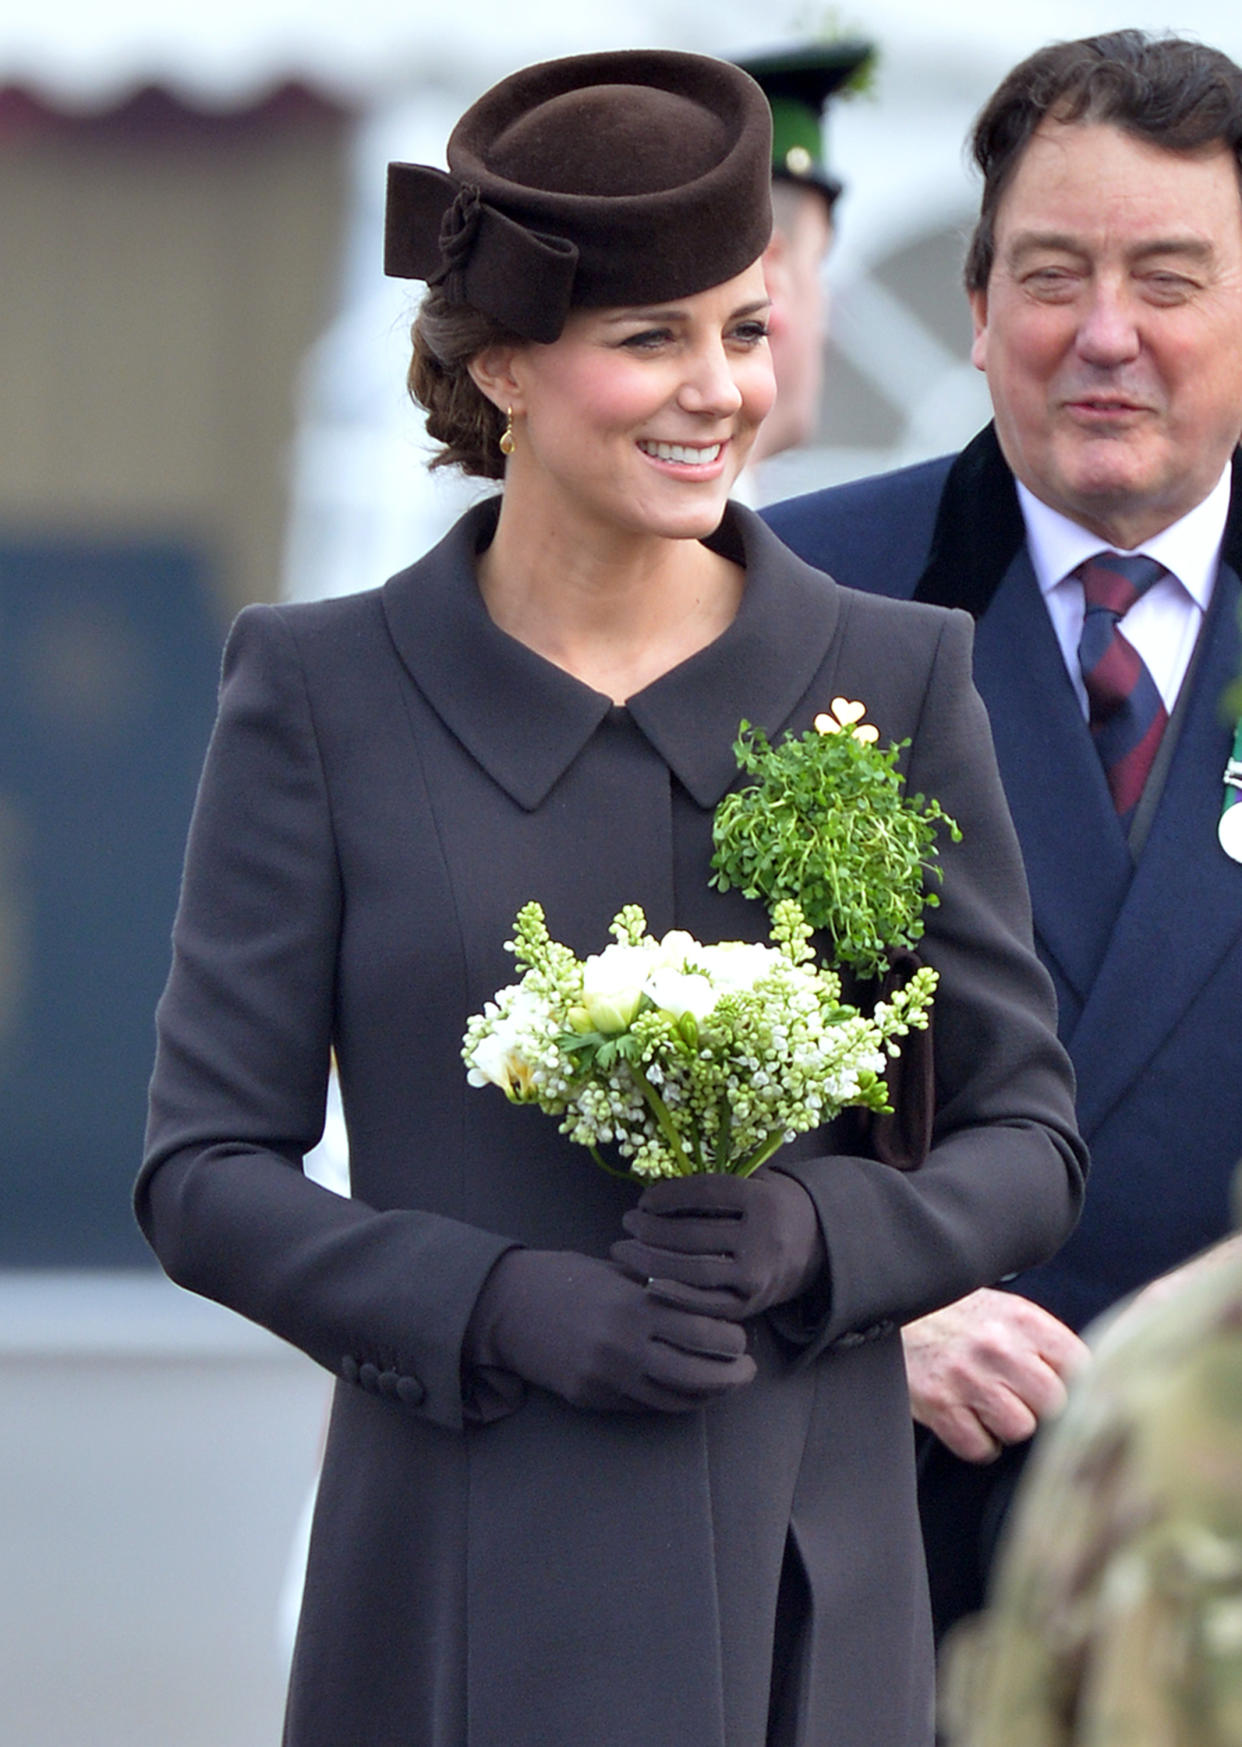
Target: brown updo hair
x=445 y=337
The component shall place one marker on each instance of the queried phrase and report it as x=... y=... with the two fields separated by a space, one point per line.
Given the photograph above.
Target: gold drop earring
x=507 y=444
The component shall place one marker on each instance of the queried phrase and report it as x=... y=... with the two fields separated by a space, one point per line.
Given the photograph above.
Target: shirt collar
x=1190 y=548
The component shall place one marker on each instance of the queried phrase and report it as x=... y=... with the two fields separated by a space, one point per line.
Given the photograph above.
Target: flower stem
x=772 y=1144
x=660 y=1111
x=726 y=1134
x=605 y=1166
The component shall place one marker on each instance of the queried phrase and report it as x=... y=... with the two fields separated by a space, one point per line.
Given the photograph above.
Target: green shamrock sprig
x=826 y=822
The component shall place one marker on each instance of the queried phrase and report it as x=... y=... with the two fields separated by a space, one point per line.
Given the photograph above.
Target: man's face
x=1111 y=327
x=798 y=320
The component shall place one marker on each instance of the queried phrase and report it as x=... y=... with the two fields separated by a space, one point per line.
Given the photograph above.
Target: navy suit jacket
x=1146 y=956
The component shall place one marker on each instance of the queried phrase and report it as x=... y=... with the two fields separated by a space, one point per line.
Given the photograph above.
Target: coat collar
x=526 y=721
x=979 y=529
x=1231 y=547
x=978 y=532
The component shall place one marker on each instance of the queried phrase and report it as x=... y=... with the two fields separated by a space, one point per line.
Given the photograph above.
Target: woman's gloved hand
x=742 y=1244
x=586 y=1331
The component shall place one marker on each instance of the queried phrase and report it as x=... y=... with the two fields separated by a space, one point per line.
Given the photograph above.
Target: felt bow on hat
x=520 y=277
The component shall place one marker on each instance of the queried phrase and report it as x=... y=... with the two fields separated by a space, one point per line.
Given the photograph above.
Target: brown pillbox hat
x=635 y=176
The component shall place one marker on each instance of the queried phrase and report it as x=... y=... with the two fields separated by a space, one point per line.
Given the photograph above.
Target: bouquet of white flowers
x=686 y=1057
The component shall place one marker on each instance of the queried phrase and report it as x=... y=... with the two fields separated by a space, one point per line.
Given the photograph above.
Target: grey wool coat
x=391 y=778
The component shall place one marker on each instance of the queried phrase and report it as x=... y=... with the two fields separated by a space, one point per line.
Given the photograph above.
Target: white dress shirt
x=1165 y=622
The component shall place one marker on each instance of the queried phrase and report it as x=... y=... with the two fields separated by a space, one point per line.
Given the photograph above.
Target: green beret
x=798 y=84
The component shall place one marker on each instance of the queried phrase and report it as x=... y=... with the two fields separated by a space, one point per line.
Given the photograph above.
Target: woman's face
x=639 y=420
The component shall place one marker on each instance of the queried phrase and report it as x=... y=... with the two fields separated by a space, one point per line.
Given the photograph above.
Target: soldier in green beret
x=799 y=84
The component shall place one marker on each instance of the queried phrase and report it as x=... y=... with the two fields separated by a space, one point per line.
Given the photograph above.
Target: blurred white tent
x=82 y=53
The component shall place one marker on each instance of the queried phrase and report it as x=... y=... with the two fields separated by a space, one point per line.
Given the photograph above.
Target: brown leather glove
x=584 y=1330
x=742 y=1243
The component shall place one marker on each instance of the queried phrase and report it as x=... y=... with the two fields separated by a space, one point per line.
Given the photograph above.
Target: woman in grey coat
x=571 y=1499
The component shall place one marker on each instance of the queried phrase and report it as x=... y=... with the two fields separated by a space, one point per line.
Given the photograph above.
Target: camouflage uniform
x=1116 y=1619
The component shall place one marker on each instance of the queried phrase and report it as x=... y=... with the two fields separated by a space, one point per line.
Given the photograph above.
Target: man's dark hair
x=1175 y=93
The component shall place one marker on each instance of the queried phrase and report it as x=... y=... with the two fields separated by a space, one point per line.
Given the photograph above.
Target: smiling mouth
x=681 y=452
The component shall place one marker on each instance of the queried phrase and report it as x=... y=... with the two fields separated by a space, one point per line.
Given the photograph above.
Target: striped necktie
x=1127 y=712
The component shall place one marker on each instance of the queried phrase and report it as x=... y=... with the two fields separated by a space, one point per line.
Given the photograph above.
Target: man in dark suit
x=1105 y=283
